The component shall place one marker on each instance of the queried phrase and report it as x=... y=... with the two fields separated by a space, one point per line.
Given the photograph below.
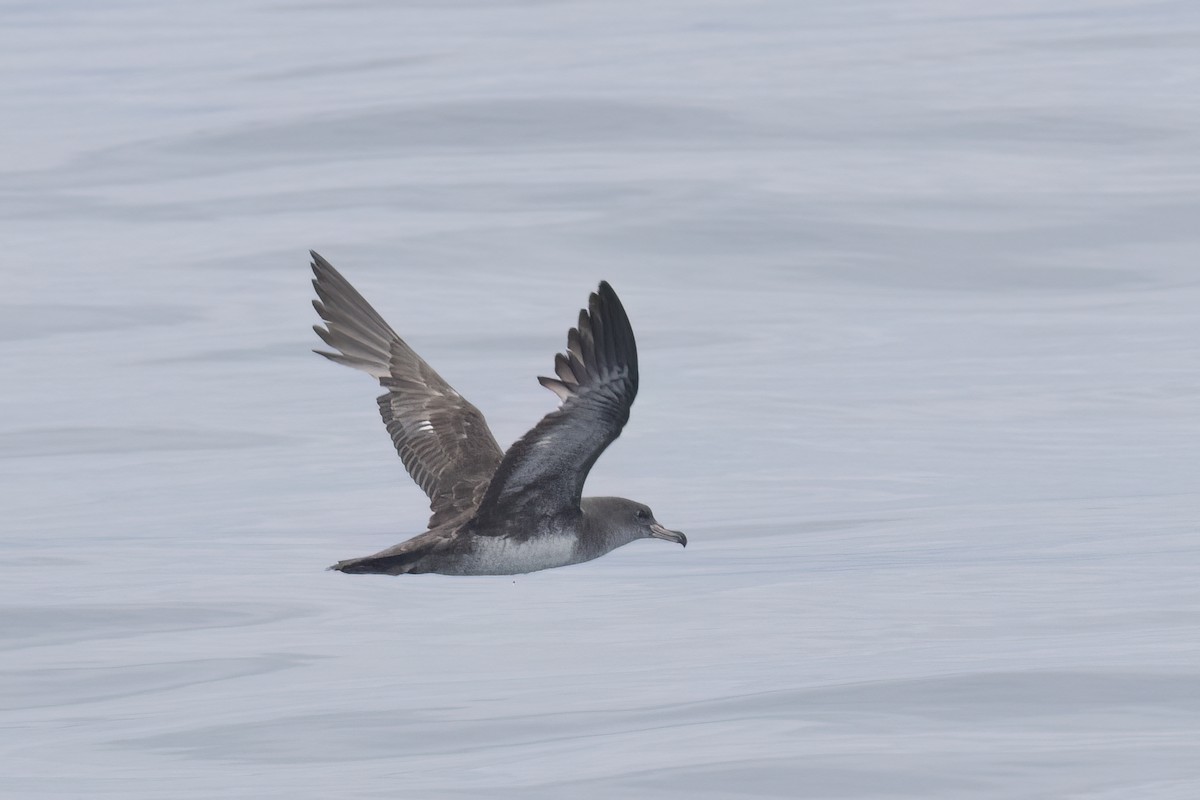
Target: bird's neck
x=599 y=535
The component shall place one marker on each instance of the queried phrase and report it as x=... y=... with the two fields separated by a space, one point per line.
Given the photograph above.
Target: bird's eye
x=642 y=513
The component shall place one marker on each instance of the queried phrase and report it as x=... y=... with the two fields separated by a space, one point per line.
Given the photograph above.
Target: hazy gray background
x=917 y=292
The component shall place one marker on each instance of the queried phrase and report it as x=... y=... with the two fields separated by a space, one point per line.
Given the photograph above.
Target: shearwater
x=497 y=512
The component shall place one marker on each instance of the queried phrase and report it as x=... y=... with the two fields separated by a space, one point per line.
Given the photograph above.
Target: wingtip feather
x=558 y=387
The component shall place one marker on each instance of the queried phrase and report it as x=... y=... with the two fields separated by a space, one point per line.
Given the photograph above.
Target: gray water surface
x=916 y=290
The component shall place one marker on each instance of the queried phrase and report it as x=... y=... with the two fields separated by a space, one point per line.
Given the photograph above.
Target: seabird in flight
x=497 y=512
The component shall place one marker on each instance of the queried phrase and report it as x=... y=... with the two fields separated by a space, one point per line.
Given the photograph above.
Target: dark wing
x=597 y=381
x=442 y=439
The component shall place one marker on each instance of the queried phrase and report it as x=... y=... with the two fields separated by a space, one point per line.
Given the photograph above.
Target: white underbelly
x=498 y=555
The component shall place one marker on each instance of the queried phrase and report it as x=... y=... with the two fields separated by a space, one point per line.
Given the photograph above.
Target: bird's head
x=623 y=521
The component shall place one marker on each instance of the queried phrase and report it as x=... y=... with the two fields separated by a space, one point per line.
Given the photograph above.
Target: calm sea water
x=916 y=288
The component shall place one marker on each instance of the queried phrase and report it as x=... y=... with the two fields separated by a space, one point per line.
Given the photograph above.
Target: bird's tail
x=399 y=564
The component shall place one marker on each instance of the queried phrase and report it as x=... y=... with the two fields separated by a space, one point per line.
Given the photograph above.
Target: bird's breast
x=504 y=555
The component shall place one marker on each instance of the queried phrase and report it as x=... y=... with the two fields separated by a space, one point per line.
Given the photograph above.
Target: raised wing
x=442 y=439
x=597 y=381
